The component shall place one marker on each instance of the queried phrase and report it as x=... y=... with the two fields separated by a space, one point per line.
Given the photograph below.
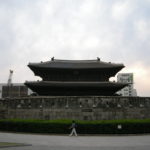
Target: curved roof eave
x=59 y=83
x=75 y=64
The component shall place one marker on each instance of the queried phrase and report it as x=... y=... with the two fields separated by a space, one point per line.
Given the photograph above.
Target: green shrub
x=83 y=127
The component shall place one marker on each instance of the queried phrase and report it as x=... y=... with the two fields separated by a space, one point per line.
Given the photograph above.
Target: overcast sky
x=36 y=30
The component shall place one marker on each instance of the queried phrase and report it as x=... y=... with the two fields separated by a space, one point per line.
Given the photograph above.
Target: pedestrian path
x=64 y=142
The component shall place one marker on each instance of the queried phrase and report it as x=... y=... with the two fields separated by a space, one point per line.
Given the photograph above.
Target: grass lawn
x=7 y=144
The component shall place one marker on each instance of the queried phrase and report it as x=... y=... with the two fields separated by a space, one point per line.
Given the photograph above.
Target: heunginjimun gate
x=75 y=78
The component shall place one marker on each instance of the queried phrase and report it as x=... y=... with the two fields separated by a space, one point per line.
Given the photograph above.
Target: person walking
x=73 y=127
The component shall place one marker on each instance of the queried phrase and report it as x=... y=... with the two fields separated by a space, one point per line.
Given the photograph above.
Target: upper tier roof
x=75 y=64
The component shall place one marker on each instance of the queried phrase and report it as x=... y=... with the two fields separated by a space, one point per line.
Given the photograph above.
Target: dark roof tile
x=76 y=64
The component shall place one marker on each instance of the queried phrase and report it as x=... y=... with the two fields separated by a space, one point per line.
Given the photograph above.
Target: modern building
x=128 y=90
x=75 y=78
x=14 y=90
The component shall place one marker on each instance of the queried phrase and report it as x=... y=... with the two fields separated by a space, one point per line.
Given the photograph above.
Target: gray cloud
x=36 y=30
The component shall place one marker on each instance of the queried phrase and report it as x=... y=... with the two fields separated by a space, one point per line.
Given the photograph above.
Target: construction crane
x=9 y=83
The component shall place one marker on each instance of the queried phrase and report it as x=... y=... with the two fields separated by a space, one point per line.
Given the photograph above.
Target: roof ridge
x=77 y=61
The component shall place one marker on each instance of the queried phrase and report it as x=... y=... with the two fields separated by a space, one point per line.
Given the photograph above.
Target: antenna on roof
x=98 y=59
x=52 y=59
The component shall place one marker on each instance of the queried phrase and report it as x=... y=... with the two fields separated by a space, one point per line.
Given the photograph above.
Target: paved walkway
x=52 y=142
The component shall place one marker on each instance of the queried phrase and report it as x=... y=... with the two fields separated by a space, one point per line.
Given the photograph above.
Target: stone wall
x=82 y=108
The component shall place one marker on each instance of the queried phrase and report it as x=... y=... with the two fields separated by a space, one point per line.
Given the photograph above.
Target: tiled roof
x=76 y=64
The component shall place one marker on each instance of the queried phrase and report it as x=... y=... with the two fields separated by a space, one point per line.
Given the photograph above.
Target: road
x=64 y=142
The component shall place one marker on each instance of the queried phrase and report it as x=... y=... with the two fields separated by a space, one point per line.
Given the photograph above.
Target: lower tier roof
x=55 y=88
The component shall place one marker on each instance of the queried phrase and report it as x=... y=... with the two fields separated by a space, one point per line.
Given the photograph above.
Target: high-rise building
x=128 y=90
